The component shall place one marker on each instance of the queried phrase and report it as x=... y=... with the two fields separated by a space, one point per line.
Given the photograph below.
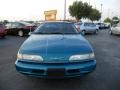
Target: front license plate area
x=56 y=72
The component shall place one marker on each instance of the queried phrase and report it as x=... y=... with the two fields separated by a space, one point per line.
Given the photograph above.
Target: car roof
x=57 y=22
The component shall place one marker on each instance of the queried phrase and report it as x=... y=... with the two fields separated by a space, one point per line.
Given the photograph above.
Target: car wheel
x=83 y=32
x=96 y=32
x=20 y=33
x=3 y=36
x=110 y=32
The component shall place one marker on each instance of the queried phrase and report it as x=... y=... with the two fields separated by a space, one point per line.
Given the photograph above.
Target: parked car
x=2 y=31
x=87 y=27
x=55 y=50
x=38 y=23
x=115 y=29
x=107 y=25
x=77 y=25
x=101 y=25
x=19 y=28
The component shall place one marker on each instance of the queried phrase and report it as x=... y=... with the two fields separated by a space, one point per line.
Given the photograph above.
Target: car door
x=8 y=28
x=92 y=27
x=118 y=27
x=14 y=27
x=86 y=27
x=89 y=27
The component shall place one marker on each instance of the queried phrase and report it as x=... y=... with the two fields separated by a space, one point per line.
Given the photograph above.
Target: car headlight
x=82 y=57
x=29 y=57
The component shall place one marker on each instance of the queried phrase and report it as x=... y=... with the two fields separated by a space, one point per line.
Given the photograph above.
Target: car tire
x=20 y=33
x=2 y=36
x=96 y=32
x=110 y=32
x=83 y=32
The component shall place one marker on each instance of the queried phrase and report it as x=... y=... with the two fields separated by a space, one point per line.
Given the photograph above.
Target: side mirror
x=30 y=33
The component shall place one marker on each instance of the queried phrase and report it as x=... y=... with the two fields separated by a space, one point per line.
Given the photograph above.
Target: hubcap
x=20 y=33
x=96 y=31
x=83 y=32
x=110 y=32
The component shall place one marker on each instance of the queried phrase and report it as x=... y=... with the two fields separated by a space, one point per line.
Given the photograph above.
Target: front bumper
x=2 y=33
x=41 y=69
x=116 y=32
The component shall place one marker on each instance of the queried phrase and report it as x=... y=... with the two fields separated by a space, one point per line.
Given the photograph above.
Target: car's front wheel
x=110 y=32
x=3 y=36
x=83 y=32
x=96 y=32
x=20 y=33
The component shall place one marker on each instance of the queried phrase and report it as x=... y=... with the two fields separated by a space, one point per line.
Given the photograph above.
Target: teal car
x=55 y=50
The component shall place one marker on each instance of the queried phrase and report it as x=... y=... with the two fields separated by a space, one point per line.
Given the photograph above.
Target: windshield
x=56 y=28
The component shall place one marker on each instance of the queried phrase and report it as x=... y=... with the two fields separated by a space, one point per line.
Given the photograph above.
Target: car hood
x=54 y=47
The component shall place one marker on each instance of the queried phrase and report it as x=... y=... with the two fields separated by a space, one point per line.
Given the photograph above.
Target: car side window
x=9 y=25
x=15 y=25
x=86 y=24
x=92 y=25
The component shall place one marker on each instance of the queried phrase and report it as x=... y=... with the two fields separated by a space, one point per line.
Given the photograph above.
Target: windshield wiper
x=52 y=33
x=46 y=33
x=37 y=33
x=57 y=33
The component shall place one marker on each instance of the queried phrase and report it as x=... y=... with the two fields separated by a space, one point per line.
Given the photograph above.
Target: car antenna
x=63 y=34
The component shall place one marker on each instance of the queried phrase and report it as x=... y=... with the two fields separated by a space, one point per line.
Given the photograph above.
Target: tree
x=76 y=10
x=87 y=9
x=95 y=15
x=107 y=20
x=115 y=18
x=5 y=22
x=81 y=10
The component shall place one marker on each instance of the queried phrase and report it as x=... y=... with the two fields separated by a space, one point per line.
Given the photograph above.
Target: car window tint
x=93 y=25
x=87 y=24
x=8 y=25
x=14 y=25
x=51 y=28
x=25 y=23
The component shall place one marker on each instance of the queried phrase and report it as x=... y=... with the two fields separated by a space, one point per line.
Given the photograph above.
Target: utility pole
x=101 y=13
x=95 y=3
x=65 y=10
x=89 y=2
x=109 y=12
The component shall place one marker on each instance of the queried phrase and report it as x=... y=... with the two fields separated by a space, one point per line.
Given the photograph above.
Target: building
x=50 y=15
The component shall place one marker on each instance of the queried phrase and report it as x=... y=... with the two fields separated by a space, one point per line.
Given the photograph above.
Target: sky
x=14 y=10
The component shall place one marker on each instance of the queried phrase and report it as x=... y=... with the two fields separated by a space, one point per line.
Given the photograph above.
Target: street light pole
x=89 y=2
x=95 y=3
x=65 y=10
x=101 y=12
x=109 y=12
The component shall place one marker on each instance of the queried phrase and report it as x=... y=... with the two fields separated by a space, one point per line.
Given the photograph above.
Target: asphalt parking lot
x=105 y=77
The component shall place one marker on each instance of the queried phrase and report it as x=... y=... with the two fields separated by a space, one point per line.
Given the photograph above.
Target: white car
x=101 y=25
x=86 y=27
x=115 y=29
